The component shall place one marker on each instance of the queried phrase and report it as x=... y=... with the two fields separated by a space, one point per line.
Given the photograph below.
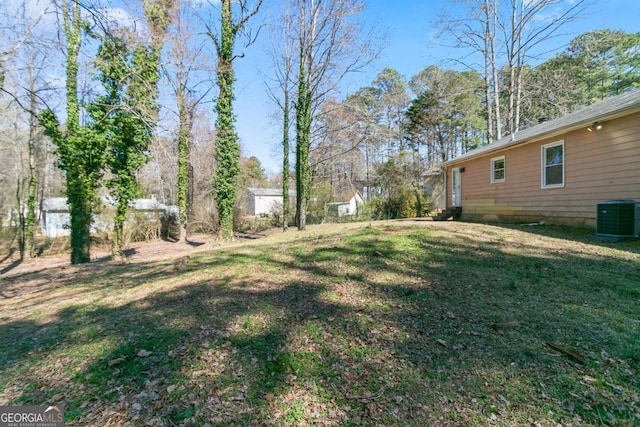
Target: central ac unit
x=618 y=218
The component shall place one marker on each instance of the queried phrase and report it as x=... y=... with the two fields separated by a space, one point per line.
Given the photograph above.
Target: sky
x=412 y=44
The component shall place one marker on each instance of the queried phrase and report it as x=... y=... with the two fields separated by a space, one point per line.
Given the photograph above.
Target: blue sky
x=412 y=45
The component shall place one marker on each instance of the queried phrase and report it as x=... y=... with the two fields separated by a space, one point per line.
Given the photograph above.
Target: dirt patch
x=136 y=252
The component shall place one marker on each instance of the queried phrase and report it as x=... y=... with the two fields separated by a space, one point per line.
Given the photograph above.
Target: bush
x=408 y=204
x=253 y=224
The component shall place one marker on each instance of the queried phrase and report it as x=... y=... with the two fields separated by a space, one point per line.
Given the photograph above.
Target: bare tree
x=24 y=61
x=185 y=59
x=532 y=23
x=508 y=36
x=476 y=32
x=329 y=47
x=280 y=88
x=335 y=157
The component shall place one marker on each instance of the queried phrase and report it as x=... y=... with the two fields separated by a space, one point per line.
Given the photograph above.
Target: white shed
x=56 y=218
x=347 y=208
x=263 y=201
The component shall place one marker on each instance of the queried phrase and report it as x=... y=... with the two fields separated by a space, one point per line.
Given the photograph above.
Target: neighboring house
x=263 y=201
x=55 y=216
x=152 y=209
x=557 y=171
x=347 y=208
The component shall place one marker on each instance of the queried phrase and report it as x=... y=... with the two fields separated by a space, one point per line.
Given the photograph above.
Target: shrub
x=409 y=203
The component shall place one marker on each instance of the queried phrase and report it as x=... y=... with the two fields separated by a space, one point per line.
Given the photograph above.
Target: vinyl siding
x=600 y=165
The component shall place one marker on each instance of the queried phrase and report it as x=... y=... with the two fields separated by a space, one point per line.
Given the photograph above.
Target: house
x=55 y=216
x=347 y=208
x=557 y=171
x=263 y=201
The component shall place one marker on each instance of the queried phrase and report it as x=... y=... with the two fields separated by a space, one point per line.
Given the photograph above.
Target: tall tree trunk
x=487 y=74
x=285 y=159
x=30 y=219
x=117 y=249
x=493 y=18
x=78 y=198
x=227 y=148
x=303 y=142
x=183 y=164
x=303 y=118
x=519 y=61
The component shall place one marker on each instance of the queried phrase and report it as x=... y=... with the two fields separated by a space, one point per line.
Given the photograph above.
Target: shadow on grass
x=576 y=234
x=374 y=328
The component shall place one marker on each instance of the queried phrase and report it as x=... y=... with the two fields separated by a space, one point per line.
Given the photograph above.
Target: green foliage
x=447 y=115
x=81 y=156
x=606 y=62
x=80 y=150
x=124 y=116
x=399 y=178
x=183 y=170
x=227 y=147
x=285 y=161
x=303 y=143
x=595 y=66
x=409 y=203
x=251 y=173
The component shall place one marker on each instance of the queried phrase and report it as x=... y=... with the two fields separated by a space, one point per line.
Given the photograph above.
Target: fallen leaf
x=509 y=324
x=575 y=356
x=116 y=361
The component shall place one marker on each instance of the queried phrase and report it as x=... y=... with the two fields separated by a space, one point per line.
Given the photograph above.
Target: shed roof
x=59 y=204
x=611 y=108
x=267 y=191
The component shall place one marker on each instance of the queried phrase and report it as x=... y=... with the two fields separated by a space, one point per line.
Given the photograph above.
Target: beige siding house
x=556 y=171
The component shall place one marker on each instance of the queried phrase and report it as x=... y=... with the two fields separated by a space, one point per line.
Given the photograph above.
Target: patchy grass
x=395 y=323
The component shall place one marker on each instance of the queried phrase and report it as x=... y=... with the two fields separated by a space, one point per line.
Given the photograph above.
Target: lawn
x=389 y=323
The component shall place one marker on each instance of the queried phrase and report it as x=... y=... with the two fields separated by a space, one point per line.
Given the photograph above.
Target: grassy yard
x=390 y=323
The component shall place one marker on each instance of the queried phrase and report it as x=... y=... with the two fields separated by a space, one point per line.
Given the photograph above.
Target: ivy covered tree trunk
x=303 y=142
x=183 y=164
x=227 y=154
x=75 y=151
x=30 y=220
x=81 y=212
x=285 y=161
x=118 y=230
x=128 y=112
x=227 y=148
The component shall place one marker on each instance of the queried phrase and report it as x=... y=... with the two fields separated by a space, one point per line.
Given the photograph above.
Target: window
x=497 y=169
x=553 y=165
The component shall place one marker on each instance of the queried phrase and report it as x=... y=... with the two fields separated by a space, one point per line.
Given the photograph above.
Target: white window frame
x=493 y=170
x=543 y=163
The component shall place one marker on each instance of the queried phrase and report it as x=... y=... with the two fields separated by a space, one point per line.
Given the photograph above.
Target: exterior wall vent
x=618 y=218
